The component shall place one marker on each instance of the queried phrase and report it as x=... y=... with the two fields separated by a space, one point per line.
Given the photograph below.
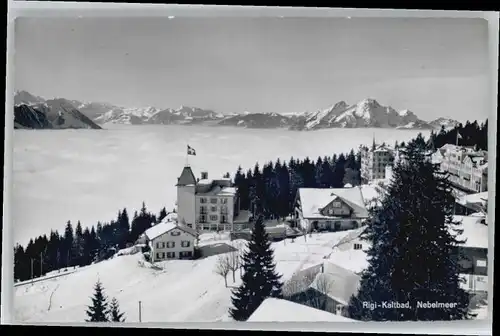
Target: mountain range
x=36 y=112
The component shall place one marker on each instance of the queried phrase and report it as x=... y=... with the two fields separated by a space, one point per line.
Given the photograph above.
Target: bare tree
x=197 y=230
x=298 y=284
x=222 y=267
x=323 y=285
x=234 y=259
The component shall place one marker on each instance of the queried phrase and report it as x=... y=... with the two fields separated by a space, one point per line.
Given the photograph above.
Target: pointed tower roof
x=186 y=178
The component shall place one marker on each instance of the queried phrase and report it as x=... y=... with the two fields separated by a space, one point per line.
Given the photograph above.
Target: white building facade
x=168 y=240
x=467 y=168
x=206 y=205
x=374 y=160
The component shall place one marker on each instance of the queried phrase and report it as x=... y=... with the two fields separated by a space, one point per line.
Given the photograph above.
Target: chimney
x=204 y=175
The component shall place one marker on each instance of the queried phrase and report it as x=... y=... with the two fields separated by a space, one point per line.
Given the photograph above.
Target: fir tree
x=161 y=215
x=114 y=312
x=412 y=257
x=97 y=312
x=259 y=280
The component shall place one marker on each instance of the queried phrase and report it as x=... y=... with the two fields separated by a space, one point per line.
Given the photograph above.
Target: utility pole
x=41 y=263
x=140 y=311
x=31 y=270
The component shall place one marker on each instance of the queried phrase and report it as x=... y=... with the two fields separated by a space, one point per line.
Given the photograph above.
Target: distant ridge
x=367 y=113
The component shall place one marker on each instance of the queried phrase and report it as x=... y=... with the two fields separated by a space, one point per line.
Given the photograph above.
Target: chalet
x=325 y=286
x=168 y=240
x=329 y=209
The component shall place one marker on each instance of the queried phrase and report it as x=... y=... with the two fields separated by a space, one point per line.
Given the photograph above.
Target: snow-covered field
x=88 y=175
x=183 y=291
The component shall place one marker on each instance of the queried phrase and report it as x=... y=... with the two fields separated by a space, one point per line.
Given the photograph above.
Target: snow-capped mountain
x=120 y=115
x=54 y=113
x=26 y=98
x=366 y=113
x=446 y=122
x=258 y=120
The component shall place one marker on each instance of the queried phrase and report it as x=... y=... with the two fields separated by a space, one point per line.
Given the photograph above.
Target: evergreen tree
x=161 y=215
x=259 y=280
x=68 y=244
x=124 y=229
x=97 y=312
x=78 y=246
x=114 y=312
x=339 y=172
x=412 y=227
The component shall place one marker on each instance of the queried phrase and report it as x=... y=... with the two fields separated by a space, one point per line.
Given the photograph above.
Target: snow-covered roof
x=481 y=198
x=314 y=199
x=218 y=191
x=278 y=310
x=336 y=282
x=164 y=227
x=475 y=233
x=351 y=259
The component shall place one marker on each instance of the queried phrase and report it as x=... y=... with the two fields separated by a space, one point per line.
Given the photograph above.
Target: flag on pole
x=458 y=136
x=190 y=150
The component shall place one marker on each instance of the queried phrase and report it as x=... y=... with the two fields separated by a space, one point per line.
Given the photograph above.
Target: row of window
x=171 y=255
x=203 y=209
x=213 y=200
x=213 y=218
x=171 y=244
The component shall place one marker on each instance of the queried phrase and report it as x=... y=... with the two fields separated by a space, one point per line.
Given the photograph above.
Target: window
x=358 y=246
x=185 y=254
x=206 y=227
x=481 y=263
x=213 y=200
x=213 y=218
x=160 y=245
x=170 y=244
x=175 y=233
x=160 y=255
x=223 y=219
x=203 y=200
x=223 y=200
x=203 y=218
x=185 y=243
x=213 y=209
x=170 y=255
x=336 y=204
x=203 y=209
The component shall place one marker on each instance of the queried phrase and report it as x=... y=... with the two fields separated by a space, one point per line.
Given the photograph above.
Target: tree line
x=471 y=134
x=81 y=247
x=271 y=190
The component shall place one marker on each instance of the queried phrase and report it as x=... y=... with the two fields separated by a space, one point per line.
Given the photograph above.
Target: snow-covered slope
x=177 y=291
x=446 y=122
x=366 y=113
x=257 y=120
x=55 y=113
x=26 y=98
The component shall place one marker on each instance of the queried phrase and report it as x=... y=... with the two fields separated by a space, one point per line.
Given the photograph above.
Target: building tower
x=186 y=199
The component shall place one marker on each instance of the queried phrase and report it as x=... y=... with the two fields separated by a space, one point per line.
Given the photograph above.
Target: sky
x=431 y=66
